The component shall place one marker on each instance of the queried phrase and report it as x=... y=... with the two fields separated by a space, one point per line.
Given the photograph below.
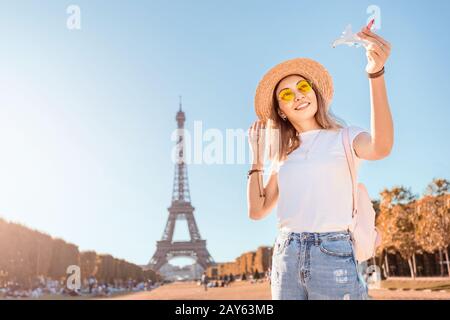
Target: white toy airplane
x=351 y=39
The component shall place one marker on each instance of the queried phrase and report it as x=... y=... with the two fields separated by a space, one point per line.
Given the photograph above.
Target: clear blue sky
x=86 y=116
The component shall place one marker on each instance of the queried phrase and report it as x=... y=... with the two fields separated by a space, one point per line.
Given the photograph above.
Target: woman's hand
x=257 y=142
x=377 y=51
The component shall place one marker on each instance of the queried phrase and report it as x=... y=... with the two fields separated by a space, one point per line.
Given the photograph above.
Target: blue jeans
x=315 y=266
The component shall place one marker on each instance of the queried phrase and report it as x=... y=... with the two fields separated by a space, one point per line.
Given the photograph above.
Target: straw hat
x=307 y=68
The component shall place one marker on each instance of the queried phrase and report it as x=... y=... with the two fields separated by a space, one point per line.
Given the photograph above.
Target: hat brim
x=309 y=69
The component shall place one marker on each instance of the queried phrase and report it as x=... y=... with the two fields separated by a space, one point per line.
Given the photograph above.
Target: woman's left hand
x=377 y=51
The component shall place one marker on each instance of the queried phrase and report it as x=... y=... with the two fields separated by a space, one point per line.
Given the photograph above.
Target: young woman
x=313 y=256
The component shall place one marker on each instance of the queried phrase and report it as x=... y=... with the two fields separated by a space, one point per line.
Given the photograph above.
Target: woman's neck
x=307 y=127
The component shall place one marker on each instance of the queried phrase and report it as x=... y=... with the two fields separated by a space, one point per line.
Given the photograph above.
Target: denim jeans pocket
x=281 y=242
x=337 y=246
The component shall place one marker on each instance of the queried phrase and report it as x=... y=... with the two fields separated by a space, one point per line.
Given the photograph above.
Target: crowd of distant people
x=93 y=288
x=226 y=280
x=90 y=288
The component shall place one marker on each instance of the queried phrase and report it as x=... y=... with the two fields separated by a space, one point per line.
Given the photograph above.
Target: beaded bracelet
x=252 y=171
x=261 y=190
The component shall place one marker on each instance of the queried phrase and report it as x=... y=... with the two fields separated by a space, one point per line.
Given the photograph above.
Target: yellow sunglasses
x=304 y=86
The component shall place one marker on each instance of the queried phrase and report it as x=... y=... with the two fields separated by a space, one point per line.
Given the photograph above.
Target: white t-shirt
x=315 y=194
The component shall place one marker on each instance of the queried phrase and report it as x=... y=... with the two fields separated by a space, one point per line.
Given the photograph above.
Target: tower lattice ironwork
x=180 y=209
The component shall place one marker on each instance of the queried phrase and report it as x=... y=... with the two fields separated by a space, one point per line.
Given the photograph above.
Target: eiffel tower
x=180 y=209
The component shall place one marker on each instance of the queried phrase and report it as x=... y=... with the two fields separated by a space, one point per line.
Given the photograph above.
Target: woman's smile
x=303 y=105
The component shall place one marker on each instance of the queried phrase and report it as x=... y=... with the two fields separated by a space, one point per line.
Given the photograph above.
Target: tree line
x=26 y=254
x=414 y=226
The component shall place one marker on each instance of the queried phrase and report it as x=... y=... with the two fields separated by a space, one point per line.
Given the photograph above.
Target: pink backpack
x=364 y=233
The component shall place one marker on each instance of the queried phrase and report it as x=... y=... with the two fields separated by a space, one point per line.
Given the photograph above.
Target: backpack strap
x=351 y=165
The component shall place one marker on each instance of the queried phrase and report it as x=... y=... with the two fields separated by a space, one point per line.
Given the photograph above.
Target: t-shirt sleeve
x=353 y=132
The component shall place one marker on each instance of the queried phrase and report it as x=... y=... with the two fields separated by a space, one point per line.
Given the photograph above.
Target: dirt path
x=256 y=291
x=191 y=291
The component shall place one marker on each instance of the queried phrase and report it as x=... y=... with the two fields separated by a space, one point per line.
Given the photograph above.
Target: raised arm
x=261 y=199
x=379 y=144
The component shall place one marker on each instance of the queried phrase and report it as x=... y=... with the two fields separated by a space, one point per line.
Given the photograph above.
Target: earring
x=282 y=115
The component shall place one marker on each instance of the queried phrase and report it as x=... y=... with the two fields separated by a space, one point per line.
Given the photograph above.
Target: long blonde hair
x=286 y=140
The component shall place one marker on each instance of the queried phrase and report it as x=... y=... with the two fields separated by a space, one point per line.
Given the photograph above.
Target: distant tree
x=385 y=223
x=404 y=239
x=433 y=226
x=397 y=224
x=438 y=187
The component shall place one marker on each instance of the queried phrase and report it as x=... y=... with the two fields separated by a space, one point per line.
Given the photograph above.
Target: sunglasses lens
x=304 y=86
x=286 y=95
